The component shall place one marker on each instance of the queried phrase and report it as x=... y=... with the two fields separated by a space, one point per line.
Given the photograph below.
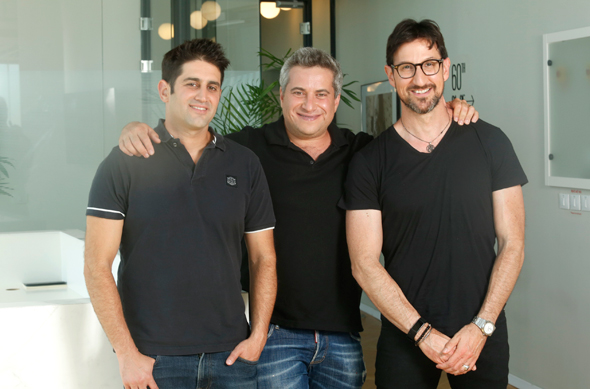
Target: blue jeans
x=296 y=359
x=203 y=371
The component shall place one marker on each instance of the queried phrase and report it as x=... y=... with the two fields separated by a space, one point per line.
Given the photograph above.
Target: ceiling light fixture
x=269 y=10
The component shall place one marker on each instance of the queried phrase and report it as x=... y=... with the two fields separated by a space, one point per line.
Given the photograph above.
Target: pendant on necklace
x=429 y=148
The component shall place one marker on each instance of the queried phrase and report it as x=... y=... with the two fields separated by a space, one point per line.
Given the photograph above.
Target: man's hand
x=249 y=349
x=136 y=140
x=136 y=371
x=433 y=347
x=462 y=111
x=465 y=348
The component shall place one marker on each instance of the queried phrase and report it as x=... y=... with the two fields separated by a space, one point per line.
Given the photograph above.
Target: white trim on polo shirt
x=264 y=229
x=105 y=210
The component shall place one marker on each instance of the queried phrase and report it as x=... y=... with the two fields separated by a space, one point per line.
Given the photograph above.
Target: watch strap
x=415 y=328
x=480 y=323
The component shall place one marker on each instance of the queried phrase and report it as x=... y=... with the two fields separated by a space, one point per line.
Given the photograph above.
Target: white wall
x=501 y=43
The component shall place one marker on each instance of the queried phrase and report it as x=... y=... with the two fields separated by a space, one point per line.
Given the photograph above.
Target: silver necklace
x=430 y=147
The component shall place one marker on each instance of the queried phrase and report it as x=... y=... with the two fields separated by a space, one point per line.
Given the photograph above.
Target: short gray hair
x=309 y=57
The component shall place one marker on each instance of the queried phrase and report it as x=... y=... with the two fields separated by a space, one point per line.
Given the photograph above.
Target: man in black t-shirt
x=433 y=198
x=313 y=339
x=176 y=318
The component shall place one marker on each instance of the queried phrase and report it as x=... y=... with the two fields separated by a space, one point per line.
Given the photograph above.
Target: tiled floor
x=369 y=339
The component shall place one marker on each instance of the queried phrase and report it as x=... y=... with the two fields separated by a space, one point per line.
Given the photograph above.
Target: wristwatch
x=487 y=327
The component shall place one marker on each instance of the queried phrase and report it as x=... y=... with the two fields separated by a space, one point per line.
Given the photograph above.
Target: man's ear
x=390 y=75
x=337 y=102
x=446 y=68
x=164 y=90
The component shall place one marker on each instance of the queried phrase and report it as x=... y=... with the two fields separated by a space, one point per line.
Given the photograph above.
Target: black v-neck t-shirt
x=437 y=214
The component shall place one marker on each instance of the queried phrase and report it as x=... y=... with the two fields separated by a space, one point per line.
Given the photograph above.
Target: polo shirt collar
x=218 y=140
x=277 y=134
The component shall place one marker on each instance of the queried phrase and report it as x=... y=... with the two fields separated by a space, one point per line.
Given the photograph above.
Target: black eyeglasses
x=408 y=70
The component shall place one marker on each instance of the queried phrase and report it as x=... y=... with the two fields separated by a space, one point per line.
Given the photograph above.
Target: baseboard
x=520 y=383
x=371 y=311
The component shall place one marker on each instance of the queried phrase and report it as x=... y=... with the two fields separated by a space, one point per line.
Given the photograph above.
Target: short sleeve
x=361 y=189
x=506 y=169
x=109 y=191
x=259 y=215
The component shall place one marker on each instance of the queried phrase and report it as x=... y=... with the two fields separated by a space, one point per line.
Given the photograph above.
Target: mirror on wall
x=567 y=117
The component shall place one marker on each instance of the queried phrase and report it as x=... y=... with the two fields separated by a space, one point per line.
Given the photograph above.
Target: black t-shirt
x=437 y=214
x=316 y=289
x=179 y=277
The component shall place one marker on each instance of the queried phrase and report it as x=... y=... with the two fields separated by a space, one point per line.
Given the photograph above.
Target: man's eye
x=406 y=67
x=429 y=64
x=213 y=88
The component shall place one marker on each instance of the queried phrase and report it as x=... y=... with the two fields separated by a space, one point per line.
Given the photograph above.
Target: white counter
x=52 y=338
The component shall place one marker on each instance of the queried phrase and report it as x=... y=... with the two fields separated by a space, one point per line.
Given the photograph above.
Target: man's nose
x=200 y=94
x=309 y=102
x=420 y=75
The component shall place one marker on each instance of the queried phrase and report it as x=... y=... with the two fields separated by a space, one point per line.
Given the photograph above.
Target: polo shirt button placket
x=311 y=162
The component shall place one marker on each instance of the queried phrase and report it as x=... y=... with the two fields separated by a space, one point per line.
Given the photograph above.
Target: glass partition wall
x=73 y=73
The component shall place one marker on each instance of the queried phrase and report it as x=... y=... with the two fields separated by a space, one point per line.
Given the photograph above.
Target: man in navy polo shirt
x=176 y=316
x=313 y=339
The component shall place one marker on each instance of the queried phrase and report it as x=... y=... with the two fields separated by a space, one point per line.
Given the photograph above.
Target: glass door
x=232 y=23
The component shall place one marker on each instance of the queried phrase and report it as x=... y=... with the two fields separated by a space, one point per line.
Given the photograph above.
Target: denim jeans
x=203 y=371
x=296 y=359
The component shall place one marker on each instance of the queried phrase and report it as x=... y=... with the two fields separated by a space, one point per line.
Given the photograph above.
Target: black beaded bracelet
x=415 y=328
x=424 y=335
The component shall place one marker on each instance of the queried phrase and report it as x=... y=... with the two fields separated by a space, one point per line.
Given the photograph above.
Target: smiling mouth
x=200 y=109
x=308 y=117
x=421 y=91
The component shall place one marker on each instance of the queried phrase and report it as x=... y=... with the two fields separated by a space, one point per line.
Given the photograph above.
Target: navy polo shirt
x=179 y=277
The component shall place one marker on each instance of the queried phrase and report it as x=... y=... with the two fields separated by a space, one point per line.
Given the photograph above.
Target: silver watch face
x=488 y=328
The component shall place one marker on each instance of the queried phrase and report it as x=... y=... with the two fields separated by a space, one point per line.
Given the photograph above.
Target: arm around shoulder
x=136 y=139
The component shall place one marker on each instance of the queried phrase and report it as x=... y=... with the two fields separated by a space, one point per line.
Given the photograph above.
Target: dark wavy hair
x=196 y=49
x=408 y=30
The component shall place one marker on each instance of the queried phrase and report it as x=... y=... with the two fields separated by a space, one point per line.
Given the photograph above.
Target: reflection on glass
x=70 y=80
x=569 y=82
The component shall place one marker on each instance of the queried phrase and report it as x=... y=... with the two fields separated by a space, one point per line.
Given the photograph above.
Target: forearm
x=364 y=235
x=103 y=237
x=504 y=276
x=386 y=294
x=263 y=292
x=107 y=305
x=509 y=219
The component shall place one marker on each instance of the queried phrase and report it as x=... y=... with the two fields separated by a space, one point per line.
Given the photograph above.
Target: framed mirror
x=567 y=114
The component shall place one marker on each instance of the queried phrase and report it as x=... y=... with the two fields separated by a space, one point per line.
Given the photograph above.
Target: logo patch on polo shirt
x=231 y=181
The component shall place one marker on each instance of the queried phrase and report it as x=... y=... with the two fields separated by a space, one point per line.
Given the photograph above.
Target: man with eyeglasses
x=433 y=198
